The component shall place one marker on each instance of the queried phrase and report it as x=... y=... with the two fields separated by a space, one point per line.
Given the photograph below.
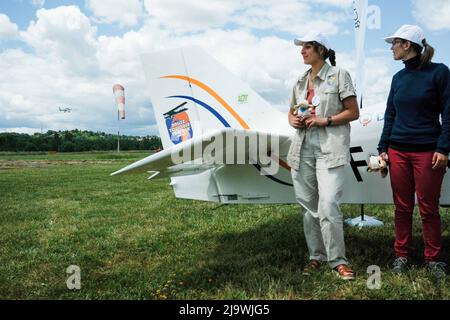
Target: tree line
x=75 y=141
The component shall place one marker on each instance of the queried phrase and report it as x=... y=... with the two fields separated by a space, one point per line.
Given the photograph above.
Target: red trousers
x=411 y=172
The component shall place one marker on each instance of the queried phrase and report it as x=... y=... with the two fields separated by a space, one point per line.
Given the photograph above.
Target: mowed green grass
x=72 y=156
x=133 y=239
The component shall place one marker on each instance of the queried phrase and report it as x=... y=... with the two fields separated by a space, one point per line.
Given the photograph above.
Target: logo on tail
x=178 y=124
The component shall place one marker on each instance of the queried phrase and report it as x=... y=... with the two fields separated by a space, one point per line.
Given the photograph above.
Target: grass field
x=133 y=239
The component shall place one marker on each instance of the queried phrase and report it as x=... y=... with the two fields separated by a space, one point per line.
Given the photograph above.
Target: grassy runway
x=133 y=239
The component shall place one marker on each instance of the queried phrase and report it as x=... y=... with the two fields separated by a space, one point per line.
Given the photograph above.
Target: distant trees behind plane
x=75 y=141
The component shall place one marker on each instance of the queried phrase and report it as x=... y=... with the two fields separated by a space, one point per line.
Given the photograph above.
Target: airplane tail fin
x=193 y=94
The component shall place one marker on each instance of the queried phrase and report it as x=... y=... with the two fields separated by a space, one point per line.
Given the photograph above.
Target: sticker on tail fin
x=178 y=124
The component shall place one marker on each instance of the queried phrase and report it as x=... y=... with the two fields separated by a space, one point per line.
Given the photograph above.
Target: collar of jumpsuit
x=321 y=75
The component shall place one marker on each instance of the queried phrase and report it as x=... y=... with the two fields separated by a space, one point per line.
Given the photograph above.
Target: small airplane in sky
x=65 y=109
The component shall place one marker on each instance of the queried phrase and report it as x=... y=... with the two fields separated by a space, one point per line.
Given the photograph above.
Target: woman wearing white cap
x=416 y=143
x=323 y=103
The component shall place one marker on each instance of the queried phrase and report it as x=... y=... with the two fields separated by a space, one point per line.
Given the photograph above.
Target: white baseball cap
x=408 y=32
x=313 y=36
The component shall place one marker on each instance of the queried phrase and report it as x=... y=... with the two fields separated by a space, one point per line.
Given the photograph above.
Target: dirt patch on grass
x=13 y=164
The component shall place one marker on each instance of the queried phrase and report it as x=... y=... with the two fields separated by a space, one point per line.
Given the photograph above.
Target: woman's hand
x=439 y=161
x=384 y=156
x=295 y=121
x=315 y=121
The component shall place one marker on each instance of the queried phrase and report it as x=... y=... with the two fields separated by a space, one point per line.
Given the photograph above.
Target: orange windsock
x=119 y=94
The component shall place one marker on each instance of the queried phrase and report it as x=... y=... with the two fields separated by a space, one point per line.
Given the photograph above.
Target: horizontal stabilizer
x=227 y=146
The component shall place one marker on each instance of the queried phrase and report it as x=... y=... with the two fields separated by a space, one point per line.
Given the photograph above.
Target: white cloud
x=432 y=14
x=284 y=15
x=65 y=34
x=337 y=3
x=378 y=74
x=279 y=16
x=120 y=55
x=195 y=15
x=124 y=12
x=7 y=28
x=38 y=3
x=21 y=130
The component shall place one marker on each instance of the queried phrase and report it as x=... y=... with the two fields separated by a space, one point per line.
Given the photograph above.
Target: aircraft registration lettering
x=355 y=164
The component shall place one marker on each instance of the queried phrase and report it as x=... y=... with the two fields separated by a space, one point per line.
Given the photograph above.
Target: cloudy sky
x=69 y=53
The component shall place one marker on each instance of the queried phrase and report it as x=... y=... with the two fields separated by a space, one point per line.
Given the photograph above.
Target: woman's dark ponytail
x=332 y=57
x=427 y=54
x=327 y=54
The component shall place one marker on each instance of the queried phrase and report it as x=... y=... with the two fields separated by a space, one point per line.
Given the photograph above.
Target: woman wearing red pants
x=416 y=144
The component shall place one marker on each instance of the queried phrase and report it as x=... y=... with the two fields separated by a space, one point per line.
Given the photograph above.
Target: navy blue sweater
x=416 y=101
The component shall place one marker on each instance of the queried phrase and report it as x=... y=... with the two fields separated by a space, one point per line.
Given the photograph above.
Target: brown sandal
x=311 y=267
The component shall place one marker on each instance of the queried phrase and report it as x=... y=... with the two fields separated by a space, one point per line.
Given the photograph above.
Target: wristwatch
x=329 y=121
